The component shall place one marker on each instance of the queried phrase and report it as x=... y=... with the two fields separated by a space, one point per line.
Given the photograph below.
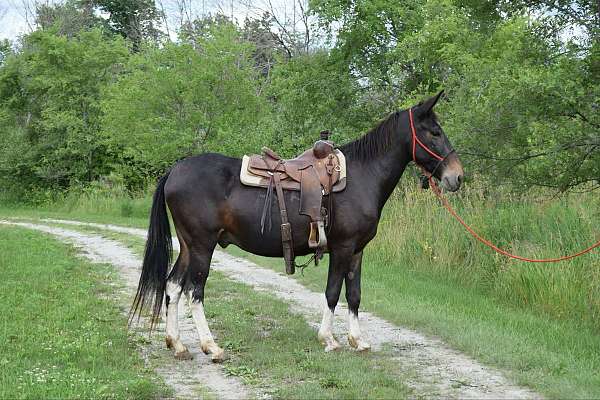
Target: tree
x=66 y=19
x=49 y=98
x=5 y=50
x=135 y=20
x=523 y=96
x=314 y=92
x=183 y=99
x=268 y=45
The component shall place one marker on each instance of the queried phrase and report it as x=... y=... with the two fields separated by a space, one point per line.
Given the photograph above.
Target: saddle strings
x=266 y=213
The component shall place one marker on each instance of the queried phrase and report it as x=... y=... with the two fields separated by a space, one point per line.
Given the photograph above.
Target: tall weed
x=416 y=232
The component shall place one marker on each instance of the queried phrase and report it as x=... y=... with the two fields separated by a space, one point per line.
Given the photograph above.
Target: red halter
x=416 y=140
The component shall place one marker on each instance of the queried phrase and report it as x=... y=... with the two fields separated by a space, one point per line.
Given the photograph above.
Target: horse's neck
x=384 y=172
x=394 y=162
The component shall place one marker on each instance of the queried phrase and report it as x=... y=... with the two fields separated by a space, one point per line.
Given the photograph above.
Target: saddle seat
x=257 y=170
x=317 y=172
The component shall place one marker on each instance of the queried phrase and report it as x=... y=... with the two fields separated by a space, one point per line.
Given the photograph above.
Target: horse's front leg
x=339 y=261
x=355 y=337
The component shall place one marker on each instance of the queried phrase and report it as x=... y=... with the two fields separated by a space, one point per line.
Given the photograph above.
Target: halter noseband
x=416 y=140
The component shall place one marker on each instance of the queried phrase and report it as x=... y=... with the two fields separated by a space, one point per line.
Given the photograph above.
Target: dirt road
x=437 y=370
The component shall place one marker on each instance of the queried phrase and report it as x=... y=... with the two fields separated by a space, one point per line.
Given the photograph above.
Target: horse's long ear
x=426 y=107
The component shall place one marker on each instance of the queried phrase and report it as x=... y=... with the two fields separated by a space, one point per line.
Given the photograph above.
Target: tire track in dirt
x=433 y=368
x=183 y=376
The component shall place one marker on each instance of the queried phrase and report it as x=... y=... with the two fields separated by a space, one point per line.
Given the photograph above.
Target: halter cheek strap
x=416 y=140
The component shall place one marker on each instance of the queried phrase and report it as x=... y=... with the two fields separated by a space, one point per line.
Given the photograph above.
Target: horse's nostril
x=459 y=179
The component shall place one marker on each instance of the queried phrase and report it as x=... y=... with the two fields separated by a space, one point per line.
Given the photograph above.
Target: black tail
x=157 y=258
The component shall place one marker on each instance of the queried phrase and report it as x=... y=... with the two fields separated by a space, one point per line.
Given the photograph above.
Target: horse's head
x=430 y=147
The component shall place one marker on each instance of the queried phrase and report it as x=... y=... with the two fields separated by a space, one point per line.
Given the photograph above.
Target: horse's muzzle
x=453 y=175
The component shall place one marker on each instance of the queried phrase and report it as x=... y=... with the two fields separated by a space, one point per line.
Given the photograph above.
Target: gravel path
x=435 y=369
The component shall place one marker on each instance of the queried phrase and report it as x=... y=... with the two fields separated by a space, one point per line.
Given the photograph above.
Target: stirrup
x=317 y=238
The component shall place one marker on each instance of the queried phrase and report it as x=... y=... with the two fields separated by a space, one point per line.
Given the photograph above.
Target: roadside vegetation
x=63 y=334
x=536 y=321
x=273 y=349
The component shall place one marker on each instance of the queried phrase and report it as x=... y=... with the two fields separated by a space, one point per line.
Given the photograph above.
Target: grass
x=558 y=358
x=95 y=204
x=63 y=335
x=540 y=322
x=271 y=348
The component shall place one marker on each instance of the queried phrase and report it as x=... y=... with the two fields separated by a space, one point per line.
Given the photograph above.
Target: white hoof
x=328 y=340
x=217 y=355
x=332 y=345
x=359 y=344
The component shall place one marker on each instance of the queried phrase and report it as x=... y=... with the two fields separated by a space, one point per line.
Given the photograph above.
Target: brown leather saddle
x=317 y=172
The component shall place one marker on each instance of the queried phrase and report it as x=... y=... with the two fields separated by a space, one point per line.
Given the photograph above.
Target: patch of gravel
x=184 y=377
x=435 y=370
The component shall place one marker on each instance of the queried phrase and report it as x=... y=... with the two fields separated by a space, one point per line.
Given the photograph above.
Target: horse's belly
x=244 y=225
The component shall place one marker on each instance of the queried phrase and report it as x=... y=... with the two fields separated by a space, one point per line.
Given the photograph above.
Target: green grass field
x=270 y=348
x=63 y=335
x=538 y=322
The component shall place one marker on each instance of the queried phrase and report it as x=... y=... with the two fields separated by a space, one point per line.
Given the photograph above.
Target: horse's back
x=195 y=173
x=197 y=187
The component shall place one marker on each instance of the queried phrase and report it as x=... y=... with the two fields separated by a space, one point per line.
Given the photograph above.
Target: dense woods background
x=99 y=94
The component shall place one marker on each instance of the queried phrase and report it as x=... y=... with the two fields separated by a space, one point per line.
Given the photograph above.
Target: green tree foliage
x=311 y=93
x=79 y=103
x=268 y=45
x=50 y=92
x=523 y=93
x=5 y=50
x=135 y=20
x=184 y=99
x=66 y=19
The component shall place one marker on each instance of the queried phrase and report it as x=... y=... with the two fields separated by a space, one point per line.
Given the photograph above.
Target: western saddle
x=317 y=172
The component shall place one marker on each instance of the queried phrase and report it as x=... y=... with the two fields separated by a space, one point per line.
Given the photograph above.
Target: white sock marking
x=354 y=333
x=326 y=331
x=174 y=293
x=207 y=343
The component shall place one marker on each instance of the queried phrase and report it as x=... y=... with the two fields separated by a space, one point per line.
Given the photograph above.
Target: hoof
x=332 y=345
x=329 y=342
x=218 y=356
x=358 y=344
x=205 y=349
x=184 y=355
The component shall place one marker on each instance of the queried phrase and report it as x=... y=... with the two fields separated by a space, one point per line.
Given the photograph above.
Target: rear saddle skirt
x=317 y=172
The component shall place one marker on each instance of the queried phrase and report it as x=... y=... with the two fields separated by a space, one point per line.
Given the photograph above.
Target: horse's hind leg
x=173 y=295
x=200 y=257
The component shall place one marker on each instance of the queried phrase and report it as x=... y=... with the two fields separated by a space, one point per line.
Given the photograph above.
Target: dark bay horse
x=210 y=206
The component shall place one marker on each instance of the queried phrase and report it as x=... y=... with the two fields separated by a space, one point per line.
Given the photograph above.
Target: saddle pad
x=249 y=179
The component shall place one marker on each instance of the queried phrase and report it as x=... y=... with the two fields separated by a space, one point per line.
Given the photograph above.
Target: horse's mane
x=375 y=142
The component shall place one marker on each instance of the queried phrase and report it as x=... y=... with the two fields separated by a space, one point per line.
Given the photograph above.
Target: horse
x=209 y=206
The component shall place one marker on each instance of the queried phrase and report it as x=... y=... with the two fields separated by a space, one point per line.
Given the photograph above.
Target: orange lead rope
x=448 y=207
x=445 y=203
